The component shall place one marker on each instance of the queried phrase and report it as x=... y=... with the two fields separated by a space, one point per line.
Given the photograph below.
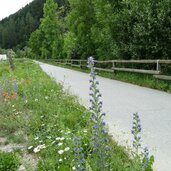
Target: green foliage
x=70 y=43
x=150 y=164
x=9 y=161
x=47 y=40
x=16 y=29
x=79 y=22
x=105 y=29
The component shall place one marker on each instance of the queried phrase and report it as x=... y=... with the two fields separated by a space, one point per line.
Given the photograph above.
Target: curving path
x=120 y=101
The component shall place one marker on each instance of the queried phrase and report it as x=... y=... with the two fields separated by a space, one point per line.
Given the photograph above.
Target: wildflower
x=36 y=150
x=61 y=151
x=79 y=155
x=73 y=168
x=14 y=83
x=62 y=138
x=5 y=94
x=60 y=160
x=145 y=160
x=14 y=95
x=59 y=144
x=68 y=132
x=39 y=147
x=36 y=100
x=90 y=62
x=67 y=149
x=58 y=138
x=136 y=130
x=36 y=138
x=46 y=97
x=99 y=133
x=30 y=147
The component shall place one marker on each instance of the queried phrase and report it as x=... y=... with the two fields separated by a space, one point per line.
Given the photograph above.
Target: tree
x=79 y=23
x=49 y=34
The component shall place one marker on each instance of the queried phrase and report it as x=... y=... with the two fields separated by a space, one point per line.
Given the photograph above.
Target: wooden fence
x=115 y=65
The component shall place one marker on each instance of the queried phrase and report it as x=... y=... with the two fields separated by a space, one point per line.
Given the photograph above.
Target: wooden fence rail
x=155 y=72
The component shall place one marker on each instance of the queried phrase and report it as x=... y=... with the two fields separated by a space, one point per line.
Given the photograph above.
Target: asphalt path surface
x=120 y=101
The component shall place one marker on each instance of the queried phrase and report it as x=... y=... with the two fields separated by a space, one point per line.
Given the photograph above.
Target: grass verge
x=48 y=119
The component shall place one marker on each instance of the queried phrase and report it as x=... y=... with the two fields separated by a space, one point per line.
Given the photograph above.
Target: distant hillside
x=16 y=29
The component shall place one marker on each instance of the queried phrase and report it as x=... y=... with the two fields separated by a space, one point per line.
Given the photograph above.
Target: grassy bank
x=144 y=80
x=41 y=121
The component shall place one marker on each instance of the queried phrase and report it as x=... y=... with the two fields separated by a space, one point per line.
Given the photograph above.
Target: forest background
x=106 y=29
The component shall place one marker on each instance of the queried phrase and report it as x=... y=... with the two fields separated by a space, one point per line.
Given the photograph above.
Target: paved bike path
x=120 y=101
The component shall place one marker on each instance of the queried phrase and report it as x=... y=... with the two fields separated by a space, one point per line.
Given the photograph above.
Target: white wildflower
x=60 y=160
x=30 y=147
x=68 y=132
x=73 y=168
x=62 y=138
x=36 y=138
x=59 y=144
x=61 y=151
x=37 y=149
x=58 y=138
x=46 y=97
x=36 y=100
x=67 y=149
x=49 y=137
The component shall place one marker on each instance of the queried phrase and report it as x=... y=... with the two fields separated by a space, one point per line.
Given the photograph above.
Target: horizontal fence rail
x=112 y=66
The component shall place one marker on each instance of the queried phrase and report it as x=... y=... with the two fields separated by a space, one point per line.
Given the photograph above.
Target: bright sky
x=8 y=7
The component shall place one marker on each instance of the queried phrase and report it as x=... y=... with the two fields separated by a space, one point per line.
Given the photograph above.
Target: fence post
x=158 y=65
x=80 y=63
x=9 y=56
x=113 y=65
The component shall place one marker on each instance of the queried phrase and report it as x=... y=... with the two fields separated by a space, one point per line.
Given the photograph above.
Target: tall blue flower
x=99 y=140
x=90 y=62
x=15 y=86
x=145 y=159
x=79 y=160
x=136 y=131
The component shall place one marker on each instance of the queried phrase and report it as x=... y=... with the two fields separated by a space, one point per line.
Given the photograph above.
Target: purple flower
x=90 y=62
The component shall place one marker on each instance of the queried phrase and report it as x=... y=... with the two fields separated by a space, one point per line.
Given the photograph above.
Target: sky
x=8 y=7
